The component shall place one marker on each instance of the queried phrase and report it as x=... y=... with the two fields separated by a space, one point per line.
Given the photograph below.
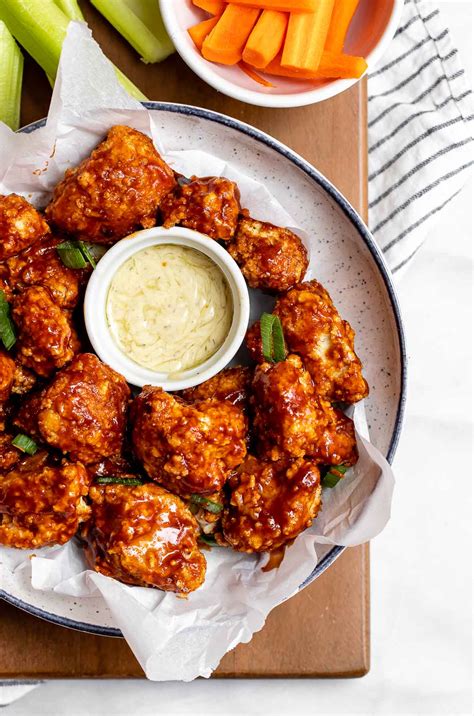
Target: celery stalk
x=11 y=75
x=148 y=11
x=132 y=21
x=40 y=27
x=71 y=9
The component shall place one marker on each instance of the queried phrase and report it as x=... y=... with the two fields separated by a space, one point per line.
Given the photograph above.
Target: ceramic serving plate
x=345 y=259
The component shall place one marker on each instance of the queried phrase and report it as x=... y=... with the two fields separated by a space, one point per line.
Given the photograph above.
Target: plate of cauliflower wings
x=146 y=481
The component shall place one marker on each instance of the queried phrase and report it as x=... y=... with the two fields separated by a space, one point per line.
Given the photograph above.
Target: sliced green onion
x=11 y=75
x=140 y=23
x=71 y=255
x=86 y=252
x=207 y=539
x=7 y=328
x=334 y=475
x=128 y=481
x=40 y=27
x=273 y=341
x=209 y=505
x=25 y=444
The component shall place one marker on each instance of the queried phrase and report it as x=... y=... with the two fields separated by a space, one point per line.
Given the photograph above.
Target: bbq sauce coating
x=113 y=192
x=187 y=448
x=270 y=503
x=144 y=536
x=210 y=205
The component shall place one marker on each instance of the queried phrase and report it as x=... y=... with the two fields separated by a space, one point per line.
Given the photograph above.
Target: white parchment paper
x=173 y=638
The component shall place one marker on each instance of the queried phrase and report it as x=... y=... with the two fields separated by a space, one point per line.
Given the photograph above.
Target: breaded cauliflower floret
x=210 y=205
x=115 y=191
x=40 y=265
x=292 y=421
x=46 y=337
x=144 y=536
x=20 y=225
x=187 y=448
x=83 y=411
x=42 y=505
x=270 y=258
x=314 y=330
x=230 y=384
x=270 y=504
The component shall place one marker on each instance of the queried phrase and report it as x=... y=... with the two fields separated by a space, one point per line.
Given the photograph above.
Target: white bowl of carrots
x=281 y=53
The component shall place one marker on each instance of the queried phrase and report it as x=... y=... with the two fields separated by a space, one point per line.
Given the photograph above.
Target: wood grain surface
x=324 y=630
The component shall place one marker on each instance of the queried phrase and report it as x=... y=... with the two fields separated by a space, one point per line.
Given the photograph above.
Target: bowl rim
x=386 y=276
x=257 y=97
x=95 y=307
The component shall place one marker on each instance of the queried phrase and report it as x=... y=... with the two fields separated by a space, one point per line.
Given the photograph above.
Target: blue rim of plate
x=377 y=255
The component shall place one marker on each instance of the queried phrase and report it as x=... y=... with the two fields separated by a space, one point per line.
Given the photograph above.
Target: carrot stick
x=226 y=42
x=254 y=75
x=213 y=7
x=306 y=36
x=266 y=38
x=282 y=5
x=332 y=66
x=344 y=11
x=200 y=31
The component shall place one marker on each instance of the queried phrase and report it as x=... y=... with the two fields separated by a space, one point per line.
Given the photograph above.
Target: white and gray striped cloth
x=420 y=132
x=420 y=147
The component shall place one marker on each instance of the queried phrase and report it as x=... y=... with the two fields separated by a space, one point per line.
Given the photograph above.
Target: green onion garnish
x=87 y=253
x=273 y=341
x=209 y=505
x=128 y=481
x=207 y=539
x=71 y=255
x=332 y=477
x=7 y=329
x=25 y=444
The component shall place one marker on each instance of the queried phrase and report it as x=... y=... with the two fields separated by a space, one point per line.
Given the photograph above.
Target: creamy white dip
x=169 y=308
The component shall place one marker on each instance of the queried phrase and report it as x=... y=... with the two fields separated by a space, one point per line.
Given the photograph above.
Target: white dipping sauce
x=169 y=308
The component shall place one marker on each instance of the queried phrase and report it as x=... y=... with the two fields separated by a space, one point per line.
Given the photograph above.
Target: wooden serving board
x=324 y=630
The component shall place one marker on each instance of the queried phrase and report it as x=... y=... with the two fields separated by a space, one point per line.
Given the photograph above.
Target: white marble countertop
x=421 y=585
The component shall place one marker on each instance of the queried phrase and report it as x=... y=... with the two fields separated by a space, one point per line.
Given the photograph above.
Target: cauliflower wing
x=270 y=258
x=115 y=191
x=20 y=225
x=40 y=265
x=83 y=411
x=40 y=504
x=46 y=338
x=144 y=536
x=314 y=330
x=187 y=448
x=230 y=384
x=210 y=205
x=270 y=504
x=292 y=421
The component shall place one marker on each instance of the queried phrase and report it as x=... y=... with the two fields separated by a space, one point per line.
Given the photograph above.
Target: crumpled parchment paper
x=174 y=638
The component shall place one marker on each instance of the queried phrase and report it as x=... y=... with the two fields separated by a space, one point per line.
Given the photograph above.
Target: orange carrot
x=200 y=31
x=266 y=39
x=254 y=75
x=344 y=11
x=282 y=5
x=213 y=7
x=332 y=66
x=306 y=36
x=226 y=42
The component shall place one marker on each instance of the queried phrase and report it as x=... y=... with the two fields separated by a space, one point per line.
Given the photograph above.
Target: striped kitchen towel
x=420 y=132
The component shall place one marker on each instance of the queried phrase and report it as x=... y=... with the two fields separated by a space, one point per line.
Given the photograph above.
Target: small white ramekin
x=96 y=300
